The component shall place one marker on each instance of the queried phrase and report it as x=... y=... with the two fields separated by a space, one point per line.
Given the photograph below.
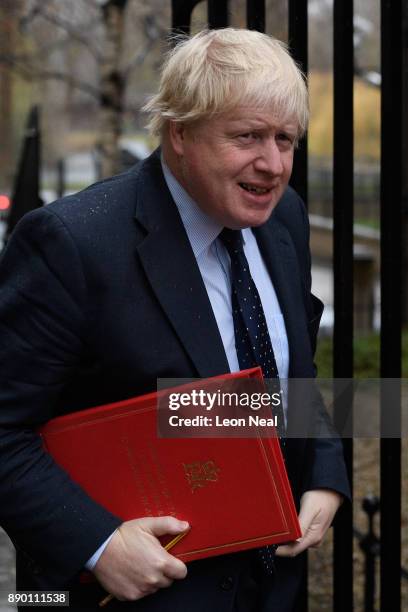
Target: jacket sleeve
x=54 y=525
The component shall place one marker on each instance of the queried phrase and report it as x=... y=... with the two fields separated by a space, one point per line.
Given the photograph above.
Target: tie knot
x=232 y=240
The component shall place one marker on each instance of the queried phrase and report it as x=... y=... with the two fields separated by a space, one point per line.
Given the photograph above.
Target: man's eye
x=247 y=136
x=285 y=138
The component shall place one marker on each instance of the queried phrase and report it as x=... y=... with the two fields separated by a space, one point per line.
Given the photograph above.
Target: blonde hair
x=217 y=70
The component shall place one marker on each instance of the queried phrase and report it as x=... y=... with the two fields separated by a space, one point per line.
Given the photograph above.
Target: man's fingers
x=165 y=582
x=317 y=508
x=307 y=515
x=295 y=548
x=290 y=550
x=162 y=525
x=155 y=582
x=310 y=540
x=134 y=563
x=174 y=568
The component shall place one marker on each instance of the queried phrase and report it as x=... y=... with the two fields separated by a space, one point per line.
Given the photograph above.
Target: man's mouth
x=254 y=188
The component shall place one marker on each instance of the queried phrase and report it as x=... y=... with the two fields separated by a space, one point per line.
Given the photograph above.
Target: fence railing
x=343 y=214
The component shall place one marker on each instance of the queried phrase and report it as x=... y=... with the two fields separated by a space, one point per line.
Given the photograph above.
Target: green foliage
x=366 y=356
x=372 y=223
x=324 y=357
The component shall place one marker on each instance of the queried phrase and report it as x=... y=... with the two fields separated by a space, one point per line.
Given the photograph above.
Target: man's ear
x=177 y=133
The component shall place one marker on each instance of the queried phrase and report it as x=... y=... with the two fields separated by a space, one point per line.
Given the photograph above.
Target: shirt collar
x=201 y=229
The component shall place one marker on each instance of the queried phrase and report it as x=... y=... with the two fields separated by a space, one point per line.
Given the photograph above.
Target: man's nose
x=269 y=159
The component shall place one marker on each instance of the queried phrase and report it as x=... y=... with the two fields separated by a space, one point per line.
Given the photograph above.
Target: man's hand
x=135 y=564
x=317 y=510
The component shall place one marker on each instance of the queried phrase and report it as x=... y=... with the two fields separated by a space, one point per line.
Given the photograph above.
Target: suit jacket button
x=227 y=583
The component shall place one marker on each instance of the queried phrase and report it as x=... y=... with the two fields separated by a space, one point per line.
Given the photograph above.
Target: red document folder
x=234 y=492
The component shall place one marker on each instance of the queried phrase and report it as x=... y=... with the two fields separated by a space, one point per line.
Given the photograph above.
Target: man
x=130 y=280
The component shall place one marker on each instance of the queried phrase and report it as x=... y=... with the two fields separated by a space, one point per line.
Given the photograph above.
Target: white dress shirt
x=213 y=261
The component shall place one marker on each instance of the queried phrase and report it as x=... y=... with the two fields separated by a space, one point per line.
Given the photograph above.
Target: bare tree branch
x=137 y=60
x=132 y=108
x=35 y=11
x=30 y=73
x=94 y=3
x=47 y=48
x=19 y=69
x=70 y=80
x=79 y=34
x=154 y=32
x=16 y=58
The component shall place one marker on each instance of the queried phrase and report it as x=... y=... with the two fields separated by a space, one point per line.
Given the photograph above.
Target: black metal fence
x=391 y=254
x=391 y=219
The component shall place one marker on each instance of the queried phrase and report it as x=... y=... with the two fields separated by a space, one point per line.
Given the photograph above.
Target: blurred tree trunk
x=112 y=88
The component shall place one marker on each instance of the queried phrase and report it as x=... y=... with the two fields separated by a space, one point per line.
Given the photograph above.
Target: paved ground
x=7 y=572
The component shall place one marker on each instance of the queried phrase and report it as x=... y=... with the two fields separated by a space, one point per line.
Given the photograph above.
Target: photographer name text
x=218 y=421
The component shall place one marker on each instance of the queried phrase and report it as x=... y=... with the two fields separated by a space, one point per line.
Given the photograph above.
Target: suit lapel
x=279 y=254
x=280 y=258
x=172 y=271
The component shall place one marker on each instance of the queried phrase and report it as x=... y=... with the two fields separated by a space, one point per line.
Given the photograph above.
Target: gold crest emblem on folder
x=200 y=473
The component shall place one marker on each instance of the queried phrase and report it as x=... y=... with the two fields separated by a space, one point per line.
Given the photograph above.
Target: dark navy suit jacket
x=100 y=296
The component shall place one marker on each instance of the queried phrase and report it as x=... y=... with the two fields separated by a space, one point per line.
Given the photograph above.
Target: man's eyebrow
x=254 y=124
x=248 y=124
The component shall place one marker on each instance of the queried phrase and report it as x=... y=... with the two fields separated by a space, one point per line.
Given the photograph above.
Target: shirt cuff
x=90 y=564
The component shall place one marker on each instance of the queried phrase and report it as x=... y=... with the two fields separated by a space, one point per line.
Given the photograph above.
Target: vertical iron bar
x=391 y=311
x=369 y=585
x=343 y=71
x=405 y=160
x=298 y=44
x=256 y=15
x=369 y=544
x=181 y=11
x=217 y=14
x=27 y=185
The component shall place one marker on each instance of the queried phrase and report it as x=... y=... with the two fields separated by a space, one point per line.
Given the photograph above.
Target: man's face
x=237 y=165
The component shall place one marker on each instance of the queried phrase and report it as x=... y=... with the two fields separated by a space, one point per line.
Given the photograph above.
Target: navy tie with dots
x=252 y=340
